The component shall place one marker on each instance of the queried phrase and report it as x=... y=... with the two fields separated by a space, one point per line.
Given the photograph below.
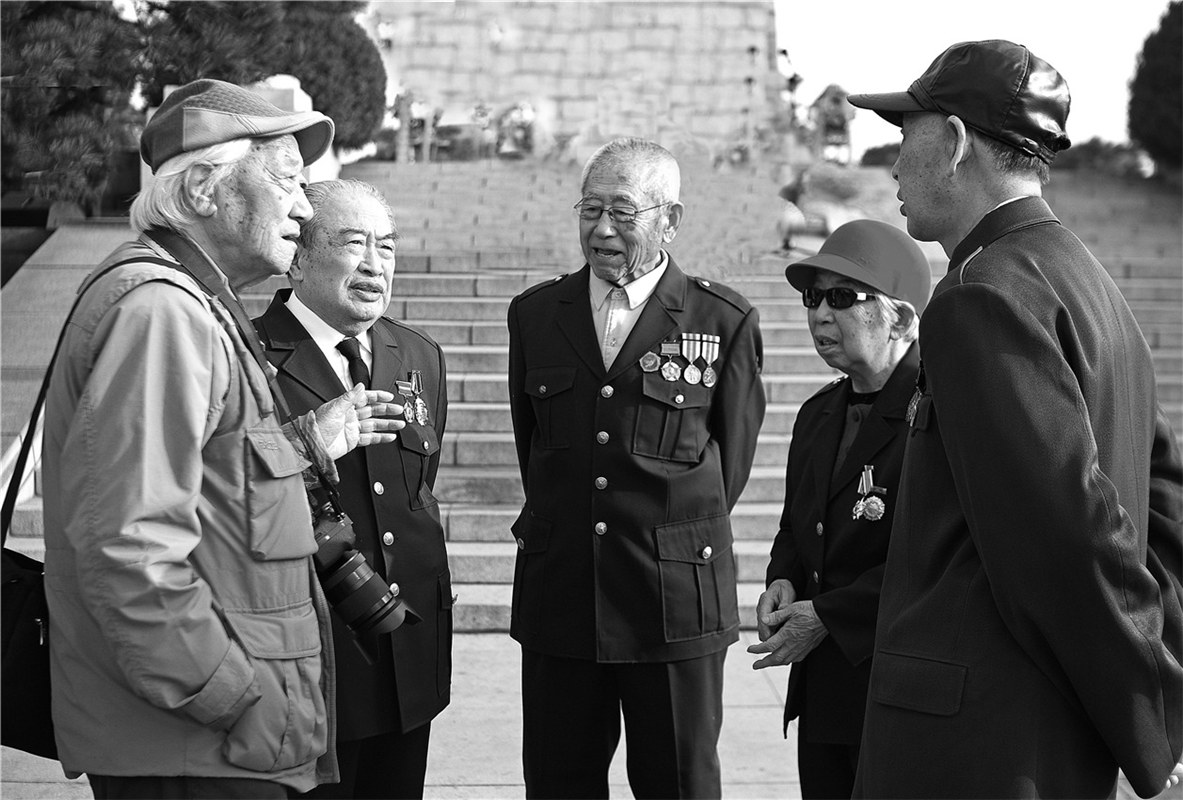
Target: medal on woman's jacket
x=870 y=506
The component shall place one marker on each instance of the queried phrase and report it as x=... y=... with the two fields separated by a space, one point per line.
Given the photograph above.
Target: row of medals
x=414 y=407
x=692 y=347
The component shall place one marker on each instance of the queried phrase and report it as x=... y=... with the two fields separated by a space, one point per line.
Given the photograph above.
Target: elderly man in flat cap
x=1029 y=630
x=190 y=649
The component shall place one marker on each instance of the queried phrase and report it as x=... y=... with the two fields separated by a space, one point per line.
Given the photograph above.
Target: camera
x=362 y=599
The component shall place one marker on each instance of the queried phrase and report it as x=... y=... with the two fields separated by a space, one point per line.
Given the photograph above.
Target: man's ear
x=958 y=144
x=296 y=273
x=674 y=217
x=198 y=190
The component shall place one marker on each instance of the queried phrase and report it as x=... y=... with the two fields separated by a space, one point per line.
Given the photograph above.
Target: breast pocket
x=551 y=393
x=697 y=568
x=278 y=521
x=419 y=444
x=672 y=420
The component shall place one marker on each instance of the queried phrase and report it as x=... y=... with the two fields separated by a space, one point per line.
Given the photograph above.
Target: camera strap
x=198 y=266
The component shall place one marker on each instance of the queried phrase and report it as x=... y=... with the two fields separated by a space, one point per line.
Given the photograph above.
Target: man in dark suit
x=326 y=332
x=1028 y=635
x=636 y=400
x=865 y=290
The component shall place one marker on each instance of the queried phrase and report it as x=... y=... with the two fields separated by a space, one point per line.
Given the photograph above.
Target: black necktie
x=357 y=368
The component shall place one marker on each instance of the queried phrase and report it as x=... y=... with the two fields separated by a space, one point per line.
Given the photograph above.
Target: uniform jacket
x=187 y=622
x=1020 y=649
x=833 y=559
x=387 y=492
x=625 y=537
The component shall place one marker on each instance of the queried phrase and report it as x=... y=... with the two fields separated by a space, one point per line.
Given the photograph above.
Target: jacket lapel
x=876 y=432
x=388 y=360
x=294 y=353
x=575 y=320
x=827 y=434
x=658 y=319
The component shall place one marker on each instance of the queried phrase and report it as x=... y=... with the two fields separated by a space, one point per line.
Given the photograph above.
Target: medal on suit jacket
x=870 y=506
x=670 y=370
x=710 y=351
x=420 y=406
x=408 y=395
x=650 y=362
x=691 y=350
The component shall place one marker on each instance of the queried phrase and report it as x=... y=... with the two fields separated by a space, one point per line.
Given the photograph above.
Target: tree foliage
x=68 y=71
x=1156 y=92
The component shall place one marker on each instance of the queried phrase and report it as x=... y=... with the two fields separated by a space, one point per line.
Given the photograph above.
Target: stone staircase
x=476 y=234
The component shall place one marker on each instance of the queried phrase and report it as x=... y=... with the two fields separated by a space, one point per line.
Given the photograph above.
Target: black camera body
x=365 y=602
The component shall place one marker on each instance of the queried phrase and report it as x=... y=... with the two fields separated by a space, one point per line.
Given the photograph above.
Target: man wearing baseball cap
x=190 y=651
x=1021 y=648
x=864 y=291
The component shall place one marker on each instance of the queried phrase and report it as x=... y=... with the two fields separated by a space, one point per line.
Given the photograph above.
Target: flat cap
x=996 y=87
x=872 y=252
x=208 y=112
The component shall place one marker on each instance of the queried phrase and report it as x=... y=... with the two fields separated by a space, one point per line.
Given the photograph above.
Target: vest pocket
x=697 y=569
x=278 y=521
x=671 y=420
x=550 y=394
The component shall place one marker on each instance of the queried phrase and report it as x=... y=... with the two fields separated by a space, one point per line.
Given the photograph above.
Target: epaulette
x=723 y=292
x=829 y=387
x=422 y=334
x=548 y=282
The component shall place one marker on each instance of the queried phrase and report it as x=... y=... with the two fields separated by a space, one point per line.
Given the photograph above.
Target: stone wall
x=692 y=75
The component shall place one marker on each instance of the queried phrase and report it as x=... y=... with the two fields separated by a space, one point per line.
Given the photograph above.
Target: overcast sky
x=877 y=46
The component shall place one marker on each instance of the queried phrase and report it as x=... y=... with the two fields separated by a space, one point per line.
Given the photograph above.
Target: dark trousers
x=826 y=770
x=571 y=711
x=183 y=787
x=392 y=766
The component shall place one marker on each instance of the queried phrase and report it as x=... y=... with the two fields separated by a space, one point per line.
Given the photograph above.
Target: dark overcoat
x=834 y=559
x=1020 y=649
x=625 y=537
x=387 y=491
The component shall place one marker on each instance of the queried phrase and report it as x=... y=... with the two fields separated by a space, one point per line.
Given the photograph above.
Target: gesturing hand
x=359 y=418
x=801 y=631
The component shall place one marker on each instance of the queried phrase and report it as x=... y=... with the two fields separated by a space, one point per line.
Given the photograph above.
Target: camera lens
x=362 y=598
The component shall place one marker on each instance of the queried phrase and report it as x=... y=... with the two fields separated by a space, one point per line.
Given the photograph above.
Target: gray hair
x=322 y=192
x=1013 y=161
x=658 y=172
x=165 y=203
x=901 y=315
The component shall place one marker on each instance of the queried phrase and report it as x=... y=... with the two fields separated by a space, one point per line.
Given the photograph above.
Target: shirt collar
x=325 y=335
x=638 y=291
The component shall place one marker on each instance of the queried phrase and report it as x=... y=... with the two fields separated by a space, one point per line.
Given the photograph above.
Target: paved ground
x=476 y=742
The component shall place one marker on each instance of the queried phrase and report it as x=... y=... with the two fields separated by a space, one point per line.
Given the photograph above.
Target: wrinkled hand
x=801 y=632
x=1175 y=776
x=359 y=418
x=773 y=608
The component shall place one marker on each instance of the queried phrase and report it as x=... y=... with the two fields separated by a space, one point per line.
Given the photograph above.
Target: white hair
x=658 y=174
x=165 y=203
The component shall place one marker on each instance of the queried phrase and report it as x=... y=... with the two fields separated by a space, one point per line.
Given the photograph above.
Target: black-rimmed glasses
x=838 y=297
x=621 y=215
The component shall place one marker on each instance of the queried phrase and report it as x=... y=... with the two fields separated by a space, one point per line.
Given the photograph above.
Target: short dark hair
x=1014 y=161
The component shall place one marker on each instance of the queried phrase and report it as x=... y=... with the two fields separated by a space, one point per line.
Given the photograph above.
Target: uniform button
x=388 y=538
x=427 y=445
x=602 y=437
x=601 y=483
x=706 y=552
x=378 y=487
x=394 y=590
x=542 y=389
x=606 y=391
x=820 y=529
x=521 y=544
x=815 y=580
x=705 y=282
x=679 y=398
x=601 y=528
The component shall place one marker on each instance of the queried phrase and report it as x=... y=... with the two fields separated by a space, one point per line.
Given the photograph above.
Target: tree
x=327 y=50
x=1156 y=92
x=68 y=73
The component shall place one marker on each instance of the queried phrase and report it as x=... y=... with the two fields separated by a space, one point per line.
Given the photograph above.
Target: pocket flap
x=698 y=541
x=548 y=381
x=532 y=533
x=675 y=394
x=421 y=439
x=918 y=684
x=275 y=451
x=290 y=633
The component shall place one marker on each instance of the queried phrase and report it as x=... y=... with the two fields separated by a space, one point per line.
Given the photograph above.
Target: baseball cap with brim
x=998 y=88
x=874 y=253
x=208 y=112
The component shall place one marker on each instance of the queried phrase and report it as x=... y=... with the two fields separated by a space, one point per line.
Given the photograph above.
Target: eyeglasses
x=838 y=297
x=621 y=215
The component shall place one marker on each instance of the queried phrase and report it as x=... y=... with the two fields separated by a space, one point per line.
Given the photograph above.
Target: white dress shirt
x=616 y=309
x=327 y=338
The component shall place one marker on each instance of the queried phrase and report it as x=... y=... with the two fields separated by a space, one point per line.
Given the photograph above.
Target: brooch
x=870 y=506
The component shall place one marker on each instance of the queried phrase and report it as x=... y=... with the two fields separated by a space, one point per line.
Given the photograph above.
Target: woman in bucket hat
x=864 y=290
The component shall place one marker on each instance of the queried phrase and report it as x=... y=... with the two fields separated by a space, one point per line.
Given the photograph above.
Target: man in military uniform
x=636 y=400
x=327 y=332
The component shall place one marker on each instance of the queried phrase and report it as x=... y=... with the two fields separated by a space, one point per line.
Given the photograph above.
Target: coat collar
x=1013 y=216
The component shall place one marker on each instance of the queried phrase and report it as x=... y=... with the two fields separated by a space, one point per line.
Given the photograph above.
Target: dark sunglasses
x=838 y=297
